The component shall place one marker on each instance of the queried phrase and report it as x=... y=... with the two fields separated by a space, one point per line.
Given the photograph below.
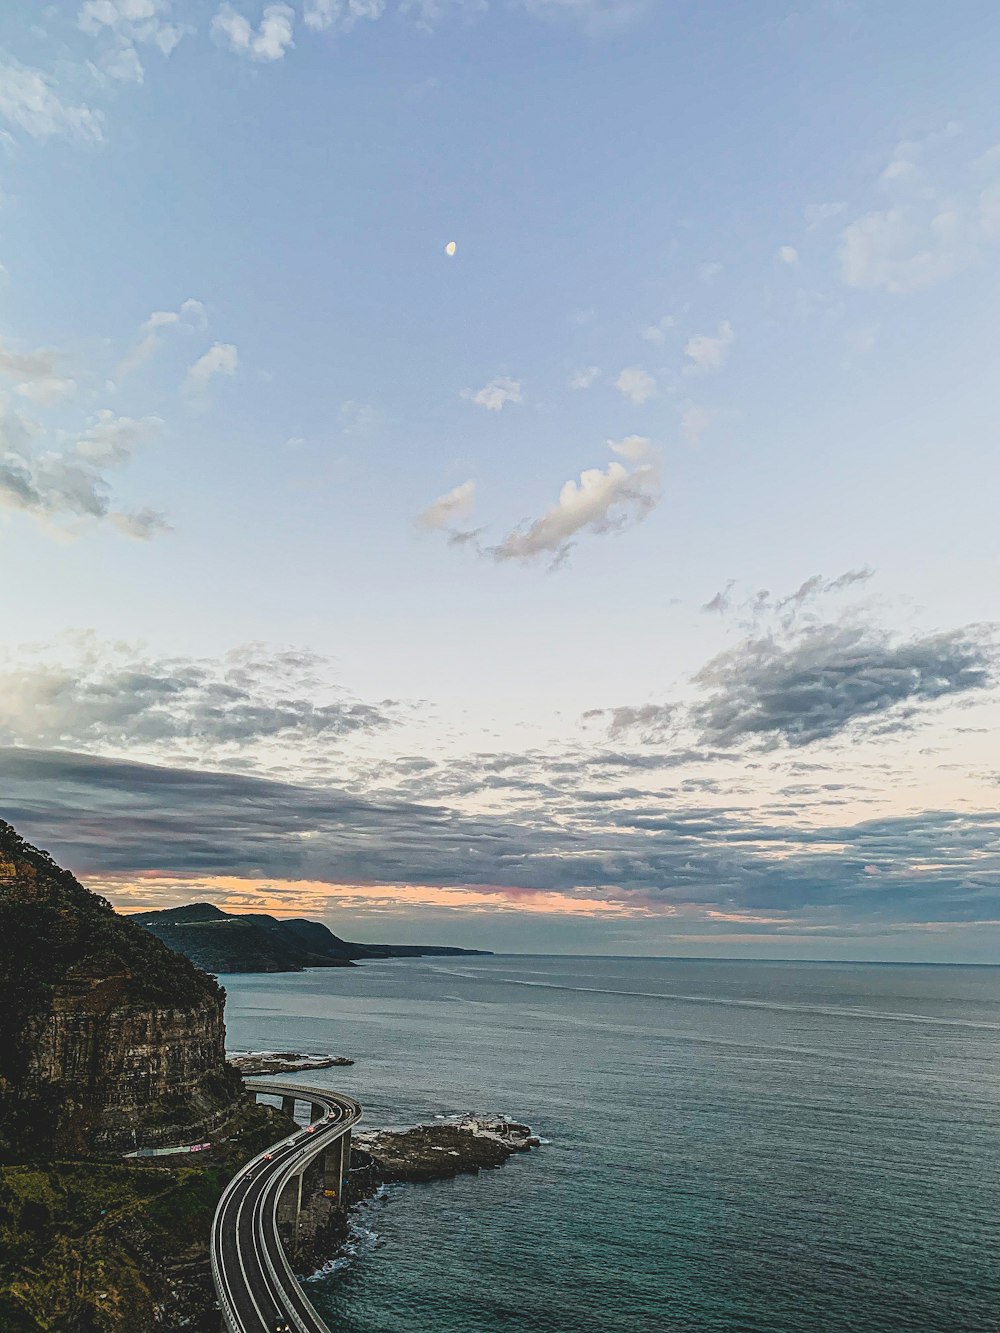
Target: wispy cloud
x=828 y=678
x=707 y=352
x=272 y=37
x=602 y=501
x=31 y=101
x=449 y=508
x=101 y=696
x=937 y=221
x=495 y=395
x=585 y=377
x=636 y=384
x=71 y=482
x=191 y=316
x=340 y=15
x=220 y=359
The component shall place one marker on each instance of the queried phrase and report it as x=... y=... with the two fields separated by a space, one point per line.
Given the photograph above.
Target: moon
x=450 y=248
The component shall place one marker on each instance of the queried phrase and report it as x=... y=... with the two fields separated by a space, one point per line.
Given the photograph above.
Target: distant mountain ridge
x=219 y=941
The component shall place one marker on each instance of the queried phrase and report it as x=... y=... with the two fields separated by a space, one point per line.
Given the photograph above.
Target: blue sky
x=624 y=581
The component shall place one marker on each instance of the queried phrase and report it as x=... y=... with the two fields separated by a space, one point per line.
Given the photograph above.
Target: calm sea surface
x=758 y=1147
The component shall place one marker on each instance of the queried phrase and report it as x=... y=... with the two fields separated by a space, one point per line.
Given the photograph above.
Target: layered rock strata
x=108 y=1039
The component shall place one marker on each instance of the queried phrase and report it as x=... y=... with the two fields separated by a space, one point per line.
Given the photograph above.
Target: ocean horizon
x=758 y=1146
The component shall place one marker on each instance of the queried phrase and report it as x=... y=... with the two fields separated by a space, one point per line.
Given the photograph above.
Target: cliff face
x=107 y=1038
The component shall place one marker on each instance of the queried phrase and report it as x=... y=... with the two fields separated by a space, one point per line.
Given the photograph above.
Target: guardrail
x=313 y=1143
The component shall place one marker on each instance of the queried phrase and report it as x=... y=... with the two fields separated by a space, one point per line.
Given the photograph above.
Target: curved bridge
x=256 y=1287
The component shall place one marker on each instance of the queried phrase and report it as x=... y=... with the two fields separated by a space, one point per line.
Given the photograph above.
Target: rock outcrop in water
x=108 y=1038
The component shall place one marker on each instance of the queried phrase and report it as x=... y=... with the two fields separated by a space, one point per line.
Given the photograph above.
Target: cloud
x=657 y=333
x=115 y=819
x=220 y=359
x=584 y=378
x=70 y=482
x=340 y=14
x=192 y=316
x=636 y=384
x=126 y=23
x=722 y=600
x=449 y=508
x=601 y=502
x=938 y=221
x=38 y=375
x=115 y=696
x=30 y=101
x=825 y=679
x=788 y=254
x=695 y=421
x=271 y=39
x=707 y=353
x=496 y=394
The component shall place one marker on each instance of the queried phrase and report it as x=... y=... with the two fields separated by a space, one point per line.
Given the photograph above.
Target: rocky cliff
x=107 y=1037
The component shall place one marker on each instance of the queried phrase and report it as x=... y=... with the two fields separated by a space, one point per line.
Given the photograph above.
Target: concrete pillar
x=290 y=1202
x=316 y=1112
x=345 y=1167
x=288 y=1106
x=331 y=1169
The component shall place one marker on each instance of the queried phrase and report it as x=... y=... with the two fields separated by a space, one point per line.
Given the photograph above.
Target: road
x=253 y=1279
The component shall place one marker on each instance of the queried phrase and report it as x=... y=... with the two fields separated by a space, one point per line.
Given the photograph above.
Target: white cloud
x=601 y=502
x=636 y=384
x=657 y=333
x=711 y=271
x=269 y=41
x=340 y=14
x=695 y=421
x=38 y=376
x=126 y=23
x=496 y=394
x=707 y=353
x=47 y=390
x=29 y=100
x=788 y=255
x=448 y=509
x=931 y=229
x=583 y=379
x=220 y=359
x=192 y=316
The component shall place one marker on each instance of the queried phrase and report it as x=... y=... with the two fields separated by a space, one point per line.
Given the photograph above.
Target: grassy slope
x=94 y=1247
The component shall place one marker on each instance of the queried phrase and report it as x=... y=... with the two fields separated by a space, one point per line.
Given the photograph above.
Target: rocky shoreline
x=251 y=1064
x=452 y=1146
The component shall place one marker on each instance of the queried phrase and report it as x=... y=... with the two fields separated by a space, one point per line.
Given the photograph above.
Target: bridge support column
x=290 y=1203
x=316 y=1112
x=345 y=1168
x=288 y=1106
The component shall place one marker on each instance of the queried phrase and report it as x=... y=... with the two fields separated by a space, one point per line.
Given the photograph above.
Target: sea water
x=744 y=1147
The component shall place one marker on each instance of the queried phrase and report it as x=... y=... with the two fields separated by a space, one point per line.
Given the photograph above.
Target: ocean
x=747 y=1147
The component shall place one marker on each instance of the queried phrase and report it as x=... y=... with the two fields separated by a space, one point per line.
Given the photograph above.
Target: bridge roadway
x=253 y=1278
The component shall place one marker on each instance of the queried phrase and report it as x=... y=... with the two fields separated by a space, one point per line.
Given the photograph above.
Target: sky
x=517 y=474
